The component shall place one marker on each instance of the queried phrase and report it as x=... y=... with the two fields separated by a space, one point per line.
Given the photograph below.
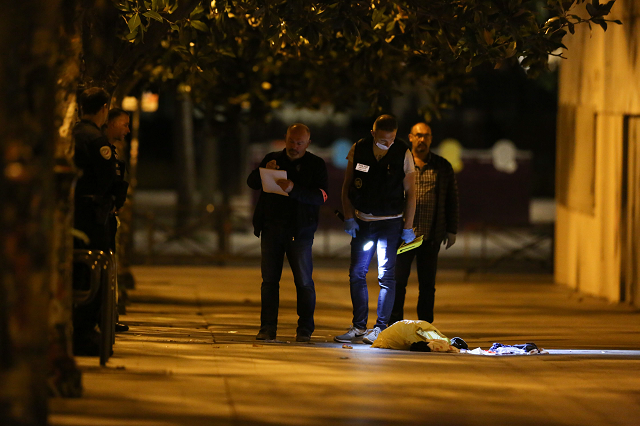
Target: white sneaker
x=352 y=335
x=371 y=335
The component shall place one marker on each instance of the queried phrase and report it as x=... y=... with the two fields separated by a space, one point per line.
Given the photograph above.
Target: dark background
x=503 y=104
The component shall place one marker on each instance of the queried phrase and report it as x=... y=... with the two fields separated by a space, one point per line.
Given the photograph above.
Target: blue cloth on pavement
x=526 y=347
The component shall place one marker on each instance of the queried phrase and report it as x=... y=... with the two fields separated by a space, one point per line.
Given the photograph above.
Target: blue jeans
x=275 y=243
x=384 y=235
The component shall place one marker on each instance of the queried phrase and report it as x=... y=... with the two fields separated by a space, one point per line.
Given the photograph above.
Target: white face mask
x=383 y=147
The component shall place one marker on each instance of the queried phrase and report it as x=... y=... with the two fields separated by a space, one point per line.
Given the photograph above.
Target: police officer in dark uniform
x=100 y=191
x=116 y=129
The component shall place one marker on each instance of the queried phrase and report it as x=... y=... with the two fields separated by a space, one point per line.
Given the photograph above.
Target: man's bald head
x=298 y=127
x=297 y=140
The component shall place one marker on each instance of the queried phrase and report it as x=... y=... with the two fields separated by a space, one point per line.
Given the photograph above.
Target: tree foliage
x=259 y=53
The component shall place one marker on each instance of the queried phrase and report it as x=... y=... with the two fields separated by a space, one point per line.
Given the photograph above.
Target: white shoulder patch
x=105 y=151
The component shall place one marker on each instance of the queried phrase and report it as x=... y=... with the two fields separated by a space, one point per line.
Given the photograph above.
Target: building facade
x=597 y=243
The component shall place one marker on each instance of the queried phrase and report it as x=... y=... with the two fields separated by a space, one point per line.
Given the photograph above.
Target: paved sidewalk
x=191 y=358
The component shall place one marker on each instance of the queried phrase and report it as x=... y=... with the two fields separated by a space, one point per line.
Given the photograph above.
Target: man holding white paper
x=286 y=218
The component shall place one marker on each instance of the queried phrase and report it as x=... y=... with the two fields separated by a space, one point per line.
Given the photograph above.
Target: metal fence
x=217 y=236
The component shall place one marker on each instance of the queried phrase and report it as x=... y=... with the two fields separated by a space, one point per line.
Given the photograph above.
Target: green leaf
x=376 y=17
x=551 y=21
x=197 y=11
x=390 y=26
x=153 y=15
x=228 y=53
x=488 y=37
x=134 y=22
x=180 y=49
x=607 y=7
x=200 y=26
x=132 y=35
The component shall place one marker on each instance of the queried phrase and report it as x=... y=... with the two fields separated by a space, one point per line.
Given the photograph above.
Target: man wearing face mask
x=378 y=198
x=436 y=219
x=286 y=225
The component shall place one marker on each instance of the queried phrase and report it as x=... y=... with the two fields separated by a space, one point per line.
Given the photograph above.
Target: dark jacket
x=378 y=186
x=297 y=213
x=102 y=173
x=447 y=209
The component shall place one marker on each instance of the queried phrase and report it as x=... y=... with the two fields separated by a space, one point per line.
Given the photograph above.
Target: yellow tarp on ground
x=406 y=332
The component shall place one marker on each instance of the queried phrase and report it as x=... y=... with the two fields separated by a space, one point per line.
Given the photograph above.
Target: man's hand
x=272 y=165
x=449 y=240
x=285 y=184
x=408 y=235
x=351 y=226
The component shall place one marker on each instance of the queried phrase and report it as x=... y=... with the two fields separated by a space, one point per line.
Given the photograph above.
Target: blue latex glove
x=408 y=235
x=351 y=226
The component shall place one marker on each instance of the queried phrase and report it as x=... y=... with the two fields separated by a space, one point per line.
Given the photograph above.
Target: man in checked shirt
x=436 y=219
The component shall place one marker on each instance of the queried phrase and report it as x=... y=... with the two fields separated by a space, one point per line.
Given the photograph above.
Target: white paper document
x=269 y=178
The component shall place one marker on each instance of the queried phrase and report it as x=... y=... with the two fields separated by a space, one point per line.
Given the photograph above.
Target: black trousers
x=102 y=237
x=426 y=264
x=276 y=242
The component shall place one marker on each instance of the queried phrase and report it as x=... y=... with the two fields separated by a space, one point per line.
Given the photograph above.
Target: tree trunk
x=185 y=158
x=209 y=180
x=64 y=376
x=29 y=116
x=232 y=143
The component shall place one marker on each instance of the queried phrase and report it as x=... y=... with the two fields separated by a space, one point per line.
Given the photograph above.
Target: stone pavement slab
x=191 y=358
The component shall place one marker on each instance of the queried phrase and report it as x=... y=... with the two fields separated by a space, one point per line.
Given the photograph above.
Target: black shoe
x=459 y=343
x=121 y=327
x=263 y=335
x=303 y=338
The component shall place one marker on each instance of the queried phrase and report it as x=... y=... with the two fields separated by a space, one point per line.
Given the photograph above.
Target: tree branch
x=125 y=63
